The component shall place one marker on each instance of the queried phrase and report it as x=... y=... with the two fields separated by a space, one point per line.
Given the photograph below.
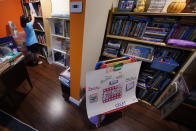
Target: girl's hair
x=23 y=21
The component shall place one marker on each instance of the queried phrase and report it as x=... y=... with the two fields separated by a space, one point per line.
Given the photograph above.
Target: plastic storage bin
x=164 y=64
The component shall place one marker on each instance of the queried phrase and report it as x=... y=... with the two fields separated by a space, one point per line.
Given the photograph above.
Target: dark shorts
x=34 y=48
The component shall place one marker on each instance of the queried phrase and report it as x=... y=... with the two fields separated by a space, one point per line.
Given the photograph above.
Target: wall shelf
x=147 y=42
x=154 y=14
x=60 y=36
x=58 y=50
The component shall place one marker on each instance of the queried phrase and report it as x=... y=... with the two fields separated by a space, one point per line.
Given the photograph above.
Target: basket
x=167 y=65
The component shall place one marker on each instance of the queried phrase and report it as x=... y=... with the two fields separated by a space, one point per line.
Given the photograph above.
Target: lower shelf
x=143 y=101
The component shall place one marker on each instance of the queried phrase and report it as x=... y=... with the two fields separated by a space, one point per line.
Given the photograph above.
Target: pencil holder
x=164 y=64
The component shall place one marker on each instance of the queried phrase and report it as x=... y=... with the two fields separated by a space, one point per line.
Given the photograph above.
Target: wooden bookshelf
x=147 y=42
x=26 y=10
x=173 y=75
x=154 y=14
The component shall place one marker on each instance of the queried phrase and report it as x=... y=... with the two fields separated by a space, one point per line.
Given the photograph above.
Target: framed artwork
x=126 y=5
x=190 y=7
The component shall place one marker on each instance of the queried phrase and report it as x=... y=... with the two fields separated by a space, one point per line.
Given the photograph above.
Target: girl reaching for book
x=31 y=39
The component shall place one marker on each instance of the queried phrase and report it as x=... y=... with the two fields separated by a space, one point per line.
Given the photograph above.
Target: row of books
x=157 y=30
x=184 y=30
x=58 y=28
x=41 y=39
x=129 y=26
x=153 y=29
x=167 y=53
x=37 y=10
x=153 y=84
x=112 y=48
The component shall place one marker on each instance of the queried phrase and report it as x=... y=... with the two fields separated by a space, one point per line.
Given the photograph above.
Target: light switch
x=76 y=7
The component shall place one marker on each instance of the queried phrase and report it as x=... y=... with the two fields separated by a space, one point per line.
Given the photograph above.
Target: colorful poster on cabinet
x=109 y=90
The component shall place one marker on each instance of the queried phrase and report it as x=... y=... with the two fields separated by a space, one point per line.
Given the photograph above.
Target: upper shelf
x=160 y=14
x=148 y=42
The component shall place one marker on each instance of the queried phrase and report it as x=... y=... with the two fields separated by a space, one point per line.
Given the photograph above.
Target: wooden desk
x=15 y=75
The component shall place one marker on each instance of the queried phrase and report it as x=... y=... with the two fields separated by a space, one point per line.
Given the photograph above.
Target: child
x=31 y=40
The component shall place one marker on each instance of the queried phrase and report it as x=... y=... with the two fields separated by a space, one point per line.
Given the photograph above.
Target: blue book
x=164 y=84
x=126 y=28
x=172 y=31
x=155 y=95
x=190 y=31
x=113 y=25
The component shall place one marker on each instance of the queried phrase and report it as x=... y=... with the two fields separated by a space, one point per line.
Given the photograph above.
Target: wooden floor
x=45 y=109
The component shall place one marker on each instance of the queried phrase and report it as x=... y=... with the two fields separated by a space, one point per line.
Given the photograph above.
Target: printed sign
x=109 y=90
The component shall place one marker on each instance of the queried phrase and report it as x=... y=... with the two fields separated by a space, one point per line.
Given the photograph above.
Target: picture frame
x=190 y=7
x=126 y=5
x=140 y=52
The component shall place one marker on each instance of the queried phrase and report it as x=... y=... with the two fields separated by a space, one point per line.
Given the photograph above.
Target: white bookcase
x=60 y=40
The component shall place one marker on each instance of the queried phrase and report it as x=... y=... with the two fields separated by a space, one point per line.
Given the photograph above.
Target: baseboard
x=76 y=102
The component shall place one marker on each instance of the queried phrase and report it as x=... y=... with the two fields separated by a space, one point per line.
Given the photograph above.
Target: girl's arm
x=32 y=17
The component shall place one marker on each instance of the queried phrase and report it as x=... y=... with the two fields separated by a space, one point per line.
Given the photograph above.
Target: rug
x=9 y=123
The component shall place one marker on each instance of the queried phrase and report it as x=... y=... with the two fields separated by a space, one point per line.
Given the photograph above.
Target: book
x=33 y=9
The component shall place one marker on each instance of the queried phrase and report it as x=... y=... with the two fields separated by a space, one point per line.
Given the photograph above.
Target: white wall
x=96 y=14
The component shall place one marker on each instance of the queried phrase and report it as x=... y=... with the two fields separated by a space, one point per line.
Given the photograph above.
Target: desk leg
x=28 y=78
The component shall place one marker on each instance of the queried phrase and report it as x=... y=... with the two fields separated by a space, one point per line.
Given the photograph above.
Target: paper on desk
x=108 y=90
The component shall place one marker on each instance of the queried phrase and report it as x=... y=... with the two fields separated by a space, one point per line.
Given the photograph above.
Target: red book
x=26 y=1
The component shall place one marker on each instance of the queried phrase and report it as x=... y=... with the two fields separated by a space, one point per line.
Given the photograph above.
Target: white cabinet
x=60 y=40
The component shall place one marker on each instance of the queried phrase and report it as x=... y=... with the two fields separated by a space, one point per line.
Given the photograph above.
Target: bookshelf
x=113 y=40
x=60 y=40
x=38 y=25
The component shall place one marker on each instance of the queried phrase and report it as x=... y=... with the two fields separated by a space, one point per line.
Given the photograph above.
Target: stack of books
x=4 y=64
x=112 y=48
x=158 y=29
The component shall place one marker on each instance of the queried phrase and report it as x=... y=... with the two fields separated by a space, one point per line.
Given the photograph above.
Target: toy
x=176 y=6
x=140 y=6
